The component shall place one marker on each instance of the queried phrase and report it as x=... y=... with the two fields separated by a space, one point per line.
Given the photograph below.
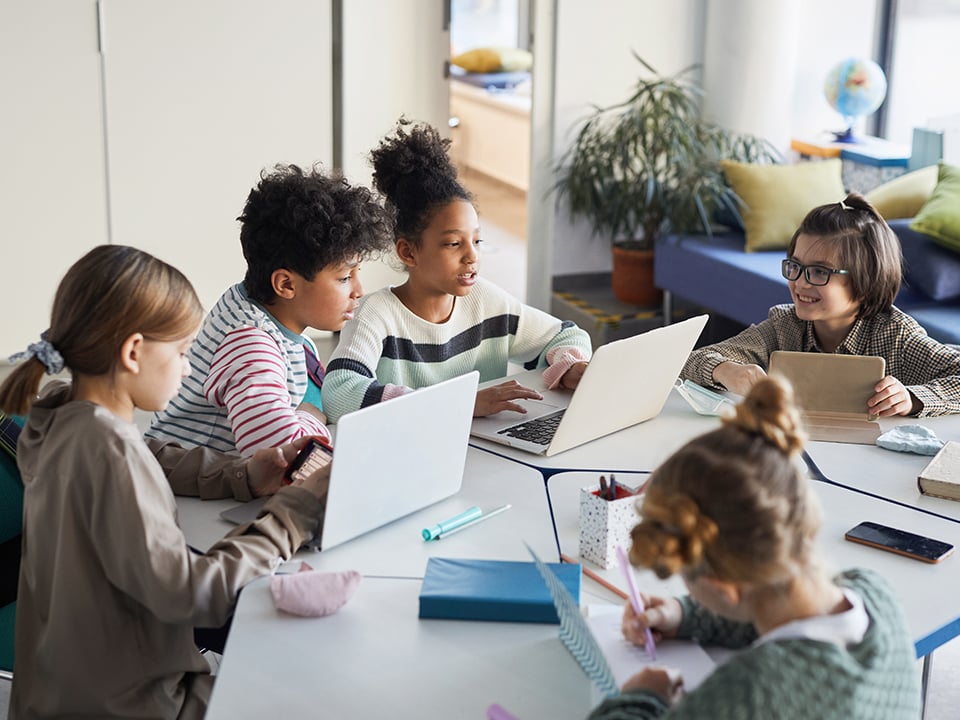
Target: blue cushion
x=941 y=321
x=715 y=272
x=928 y=266
x=496 y=80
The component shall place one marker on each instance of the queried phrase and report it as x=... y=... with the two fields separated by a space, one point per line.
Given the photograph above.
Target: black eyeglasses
x=814 y=274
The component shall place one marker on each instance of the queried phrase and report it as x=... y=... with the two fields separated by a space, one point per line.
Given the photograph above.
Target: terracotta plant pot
x=633 y=277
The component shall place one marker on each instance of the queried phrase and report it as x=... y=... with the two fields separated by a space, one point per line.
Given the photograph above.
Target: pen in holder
x=606 y=523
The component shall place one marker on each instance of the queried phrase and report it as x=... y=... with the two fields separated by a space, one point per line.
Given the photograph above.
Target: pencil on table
x=596 y=578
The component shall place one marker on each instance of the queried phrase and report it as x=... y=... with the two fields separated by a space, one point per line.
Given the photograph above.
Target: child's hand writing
x=738 y=378
x=499 y=397
x=662 y=616
x=892 y=398
x=665 y=682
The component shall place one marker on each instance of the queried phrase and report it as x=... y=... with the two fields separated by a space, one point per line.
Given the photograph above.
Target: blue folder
x=498 y=590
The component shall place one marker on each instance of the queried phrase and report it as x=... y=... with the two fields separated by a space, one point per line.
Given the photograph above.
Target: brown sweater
x=109 y=591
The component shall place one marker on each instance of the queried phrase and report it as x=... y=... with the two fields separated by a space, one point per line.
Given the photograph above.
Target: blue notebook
x=498 y=590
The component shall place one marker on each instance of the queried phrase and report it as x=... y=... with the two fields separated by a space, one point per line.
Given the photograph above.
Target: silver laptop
x=391 y=459
x=627 y=381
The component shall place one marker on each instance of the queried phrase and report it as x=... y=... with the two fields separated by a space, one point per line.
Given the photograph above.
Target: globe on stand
x=854 y=87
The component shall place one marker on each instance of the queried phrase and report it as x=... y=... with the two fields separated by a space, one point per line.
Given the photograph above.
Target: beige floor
x=503 y=227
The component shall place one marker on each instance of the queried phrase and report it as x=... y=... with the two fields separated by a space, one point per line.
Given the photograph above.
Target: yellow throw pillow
x=903 y=196
x=494 y=59
x=479 y=60
x=777 y=197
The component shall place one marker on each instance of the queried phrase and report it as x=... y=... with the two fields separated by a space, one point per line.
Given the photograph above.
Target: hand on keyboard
x=500 y=397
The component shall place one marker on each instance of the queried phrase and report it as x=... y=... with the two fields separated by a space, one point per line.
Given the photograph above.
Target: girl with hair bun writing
x=733 y=512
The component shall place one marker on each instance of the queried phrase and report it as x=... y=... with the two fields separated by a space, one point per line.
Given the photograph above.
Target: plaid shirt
x=927 y=368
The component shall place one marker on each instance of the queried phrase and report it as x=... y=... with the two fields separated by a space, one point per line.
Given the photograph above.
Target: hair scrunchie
x=44 y=351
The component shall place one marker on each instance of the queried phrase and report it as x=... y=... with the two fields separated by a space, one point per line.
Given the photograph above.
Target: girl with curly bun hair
x=733 y=513
x=444 y=320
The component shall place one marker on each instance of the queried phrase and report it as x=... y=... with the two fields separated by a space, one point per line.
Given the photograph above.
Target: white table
x=885 y=473
x=925 y=591
x=398 y=550
x=375 y=659
x=641 y=447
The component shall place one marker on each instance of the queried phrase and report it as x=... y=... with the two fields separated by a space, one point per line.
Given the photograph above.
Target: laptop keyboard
x=540 y=430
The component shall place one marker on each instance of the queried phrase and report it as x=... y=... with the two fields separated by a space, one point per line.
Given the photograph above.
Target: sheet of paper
x=626 y=659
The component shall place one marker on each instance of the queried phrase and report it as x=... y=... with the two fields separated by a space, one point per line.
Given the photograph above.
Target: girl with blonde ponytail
x=733 y=513
x=109 y=592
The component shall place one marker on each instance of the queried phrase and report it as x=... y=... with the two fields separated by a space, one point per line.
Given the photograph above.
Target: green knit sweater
x=876 y=679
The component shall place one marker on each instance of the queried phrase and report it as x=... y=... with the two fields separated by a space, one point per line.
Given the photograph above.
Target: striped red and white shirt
x=248 y=377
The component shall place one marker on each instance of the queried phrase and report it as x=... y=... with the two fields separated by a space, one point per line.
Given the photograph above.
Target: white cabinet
x=200 y=97
x=146 y=123
x=52 y=182
x=196 y=98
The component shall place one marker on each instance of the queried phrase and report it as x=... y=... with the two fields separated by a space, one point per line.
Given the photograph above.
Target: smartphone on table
x=313 y=456
x=900 y=542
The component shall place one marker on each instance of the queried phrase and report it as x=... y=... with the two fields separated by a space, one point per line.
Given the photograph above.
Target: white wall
x=52 y=184
x=767 y=63
x=148 y=129
x=826 y=35
x=393 y=62
x=594 y=65
x=200 y=97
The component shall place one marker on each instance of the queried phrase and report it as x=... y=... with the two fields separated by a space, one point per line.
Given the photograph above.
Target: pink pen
x=635 y=599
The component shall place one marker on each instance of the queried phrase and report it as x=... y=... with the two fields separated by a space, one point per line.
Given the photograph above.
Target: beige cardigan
x=109 y=591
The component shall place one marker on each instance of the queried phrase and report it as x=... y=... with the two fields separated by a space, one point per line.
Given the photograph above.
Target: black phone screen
x=312 y=457
x=899 y=541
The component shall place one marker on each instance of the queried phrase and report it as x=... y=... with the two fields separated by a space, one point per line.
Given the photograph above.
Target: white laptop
x=391 y=459
x=627 y=381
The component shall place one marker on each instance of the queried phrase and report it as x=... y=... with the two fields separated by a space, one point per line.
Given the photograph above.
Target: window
x=924 y=57
x=488 y=23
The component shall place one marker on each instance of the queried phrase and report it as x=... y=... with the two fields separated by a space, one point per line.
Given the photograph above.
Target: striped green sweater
x=386 y=350
x=876 y=679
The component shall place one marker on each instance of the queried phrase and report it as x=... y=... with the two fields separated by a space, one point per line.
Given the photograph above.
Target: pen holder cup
x=604 y=524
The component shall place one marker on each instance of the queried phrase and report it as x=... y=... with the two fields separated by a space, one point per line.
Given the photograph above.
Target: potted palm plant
x=651 y=165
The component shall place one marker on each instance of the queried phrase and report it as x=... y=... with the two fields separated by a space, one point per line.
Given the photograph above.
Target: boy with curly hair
x=256 y=377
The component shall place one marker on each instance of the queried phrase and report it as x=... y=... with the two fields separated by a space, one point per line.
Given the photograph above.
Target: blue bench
x=716 y=273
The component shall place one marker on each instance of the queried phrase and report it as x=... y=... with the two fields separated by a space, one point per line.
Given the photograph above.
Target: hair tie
x=844 y=206
x=44 y=351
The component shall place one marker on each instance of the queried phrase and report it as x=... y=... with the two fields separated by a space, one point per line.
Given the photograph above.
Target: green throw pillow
x=776 y=198
x=940 y=215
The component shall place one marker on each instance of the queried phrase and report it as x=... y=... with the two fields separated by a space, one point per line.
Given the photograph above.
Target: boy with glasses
x=844 y=269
